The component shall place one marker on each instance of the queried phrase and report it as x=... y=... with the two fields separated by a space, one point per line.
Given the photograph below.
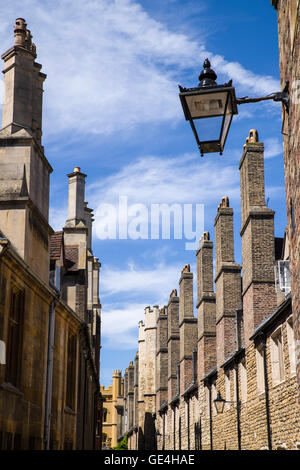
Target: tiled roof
x=56 y=245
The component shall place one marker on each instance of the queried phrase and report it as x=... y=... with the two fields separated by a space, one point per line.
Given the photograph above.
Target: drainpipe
x=210 y=417
x=264 y=348
x=84 y=402
x=238 y=404
x=174 y=427
x=49 y=376
x=188 y=423
x=164 y=431
x=200 y=434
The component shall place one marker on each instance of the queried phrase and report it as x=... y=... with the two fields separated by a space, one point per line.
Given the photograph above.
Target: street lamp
x=210 y=107
x=219 y=403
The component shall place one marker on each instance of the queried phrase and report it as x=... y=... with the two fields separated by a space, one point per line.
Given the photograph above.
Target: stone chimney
x=136 y=390
x=141 y=375
x=23 y=85
x=173 y=343
x=130 y=394
x=150 y=346
x=162 y=358
x=228 y=283
x=24 y=169
x=206 y=307
x=76 y=206
x=187 y=328
x=257 y=232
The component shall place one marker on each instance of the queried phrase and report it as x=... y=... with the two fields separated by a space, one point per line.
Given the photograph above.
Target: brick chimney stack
x=257 y=232
x=173 y=343
x=228 y=282
x=162 y=358
x=187 y=328
x=206 y=307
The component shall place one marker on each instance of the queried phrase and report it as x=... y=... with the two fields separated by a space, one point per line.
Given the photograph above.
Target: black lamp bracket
x=282 y=96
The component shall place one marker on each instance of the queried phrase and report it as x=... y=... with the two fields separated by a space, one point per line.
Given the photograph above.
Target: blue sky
x=111 y=107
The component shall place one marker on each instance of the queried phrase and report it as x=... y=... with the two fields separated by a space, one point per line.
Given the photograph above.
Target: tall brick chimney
x=257 y=232
x=150 y=351
x=141 y=375
x=187 y=328
x=206 y=307
x=162 y=358
x=173 y=343
x=228 y=283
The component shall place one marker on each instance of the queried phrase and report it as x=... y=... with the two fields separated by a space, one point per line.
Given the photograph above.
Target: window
x=260 y=376
x=291 y=345
x=282 y=277
x=14 y=336
x=104 y=415
x=277 y=359
x=71 y=371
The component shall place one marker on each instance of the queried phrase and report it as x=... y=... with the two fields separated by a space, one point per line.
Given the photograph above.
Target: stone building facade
x=113 y=411
x=289 y=59
x=49 y=296
x=225 y=378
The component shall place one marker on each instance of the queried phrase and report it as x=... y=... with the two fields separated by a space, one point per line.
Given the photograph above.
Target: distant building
x=49 y=295
x=113 y=415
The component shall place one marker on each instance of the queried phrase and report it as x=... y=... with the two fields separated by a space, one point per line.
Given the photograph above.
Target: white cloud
x=111 y=66
x=121 y=323
x=57 y=217
x=184 y=179
x=273 y=147
x=153 y=283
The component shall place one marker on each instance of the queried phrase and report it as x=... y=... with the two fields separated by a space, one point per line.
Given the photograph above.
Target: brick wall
x=289 y=59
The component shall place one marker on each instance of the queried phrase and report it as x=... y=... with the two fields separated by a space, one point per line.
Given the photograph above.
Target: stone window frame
x=291 y=345
x=277 y=357
x=260 y=376
x=243 y=381
x=207 y=400
x=227 y=385
x=214 y=394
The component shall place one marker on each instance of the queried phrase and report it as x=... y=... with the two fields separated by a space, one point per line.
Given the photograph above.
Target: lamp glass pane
x=208 y=129
x=219 y=404
x=204 y=105
x=227 y=121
